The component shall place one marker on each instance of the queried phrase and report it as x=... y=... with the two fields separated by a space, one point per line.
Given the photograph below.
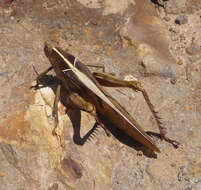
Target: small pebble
x=181 y=19
x=182 y=37
x=139 y=153
x=193 y=49
x=187 y=108
x=12 y=17
x=166 y=18
x=176 y=30
x=180 y=62
x=93 y=22
x=173 y=80
x=2 y=174
x=174 y=37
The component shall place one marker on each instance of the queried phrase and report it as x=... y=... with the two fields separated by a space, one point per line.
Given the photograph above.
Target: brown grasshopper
x=85 y=92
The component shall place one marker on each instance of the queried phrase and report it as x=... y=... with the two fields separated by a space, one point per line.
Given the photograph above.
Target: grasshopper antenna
x=35 y=69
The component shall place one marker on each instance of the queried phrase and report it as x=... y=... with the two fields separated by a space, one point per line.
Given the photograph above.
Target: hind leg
x=112 y=81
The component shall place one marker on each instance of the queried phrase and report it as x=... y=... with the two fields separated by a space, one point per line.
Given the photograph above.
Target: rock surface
x=181 y=19
x=131 y=39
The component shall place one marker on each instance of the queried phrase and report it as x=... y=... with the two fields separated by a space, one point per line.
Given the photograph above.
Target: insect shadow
x=75 y=117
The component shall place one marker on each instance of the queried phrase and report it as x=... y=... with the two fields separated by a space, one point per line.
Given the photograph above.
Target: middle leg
x=82 y=104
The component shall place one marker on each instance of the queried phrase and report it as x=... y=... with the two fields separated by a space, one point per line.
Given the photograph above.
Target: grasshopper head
x=58 y=57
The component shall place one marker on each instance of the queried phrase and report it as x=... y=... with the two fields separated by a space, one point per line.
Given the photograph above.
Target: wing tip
x=156 y=149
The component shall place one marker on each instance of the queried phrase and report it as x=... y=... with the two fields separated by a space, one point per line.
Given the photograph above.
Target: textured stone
x=194 y=49
x=32 y=158
x=175 y=7
x=181 y=19
x=151 y=39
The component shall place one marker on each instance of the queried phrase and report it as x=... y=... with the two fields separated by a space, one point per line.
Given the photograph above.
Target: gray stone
x=194 y=49
x=181 y=19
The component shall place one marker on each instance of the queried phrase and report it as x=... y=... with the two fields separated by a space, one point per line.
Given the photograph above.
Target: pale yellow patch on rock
x=39 y=116
x=130 y=78
x=110 y=6
x=116 y=6
x=90 y=3
x=143 y=50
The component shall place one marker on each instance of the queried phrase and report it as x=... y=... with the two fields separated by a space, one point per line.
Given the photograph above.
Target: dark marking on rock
x=72 y=167
x=181 y=19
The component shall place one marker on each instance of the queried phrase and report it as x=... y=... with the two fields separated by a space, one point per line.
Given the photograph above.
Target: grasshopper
x=86 y=93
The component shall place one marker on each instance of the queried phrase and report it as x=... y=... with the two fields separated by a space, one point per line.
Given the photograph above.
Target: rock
x=175 y=6
x=169 y=166
x=32 y=158
x=152 y=43
x=180 y=62
x=8 y=1
x=173 y=80
x=194 y=49
x=153 y=67
x=181 y=19
x=166 y=18
x=54 y=186
x=193 y=6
